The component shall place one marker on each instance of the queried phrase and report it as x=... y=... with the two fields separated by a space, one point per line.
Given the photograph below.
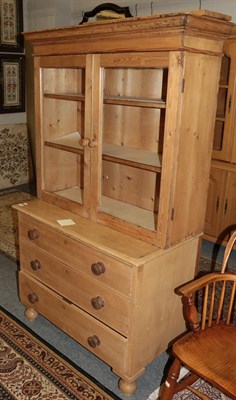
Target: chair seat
x=209 y=353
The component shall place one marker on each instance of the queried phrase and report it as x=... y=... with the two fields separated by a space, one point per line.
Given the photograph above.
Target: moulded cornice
x=102 y=36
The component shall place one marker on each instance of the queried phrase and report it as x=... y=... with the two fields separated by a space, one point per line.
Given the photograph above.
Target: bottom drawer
x=109 y=345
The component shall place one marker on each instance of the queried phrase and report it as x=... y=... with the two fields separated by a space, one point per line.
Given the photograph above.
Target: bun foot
x=31 y=314
x=127 y=388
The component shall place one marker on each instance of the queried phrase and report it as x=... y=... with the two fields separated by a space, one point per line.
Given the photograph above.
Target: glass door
x=223 y=144
x=134 y=102
x=63 y=83
x=223 y=106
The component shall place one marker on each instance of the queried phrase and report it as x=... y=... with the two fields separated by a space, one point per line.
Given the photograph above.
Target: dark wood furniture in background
x=221 y=204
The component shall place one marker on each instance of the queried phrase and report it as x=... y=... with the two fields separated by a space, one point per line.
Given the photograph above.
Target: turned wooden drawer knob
x=93 y=341
x=33 y=298
x=35 y=265
x=98 y=268
x=97 y=302
x=33 y=234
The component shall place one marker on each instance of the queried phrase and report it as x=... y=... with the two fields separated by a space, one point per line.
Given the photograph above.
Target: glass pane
x=221 y=102
x=224 y=73
x=63 y=128
x=64 y=173
x=218 y=136
x=133 y=129
x=221 y=105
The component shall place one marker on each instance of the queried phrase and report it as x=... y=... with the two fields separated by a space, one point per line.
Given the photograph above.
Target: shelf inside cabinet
x=133 y=157
x=69 y=142
x=74 y=193
x=116 y=208
x=129 y=213
x=65 y=96
x=135 y=102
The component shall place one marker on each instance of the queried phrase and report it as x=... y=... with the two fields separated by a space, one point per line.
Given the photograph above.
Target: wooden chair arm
x=208 y=283
x=191 y=287
x=228 y=250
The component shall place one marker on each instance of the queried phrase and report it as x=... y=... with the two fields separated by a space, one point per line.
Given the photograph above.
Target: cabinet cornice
x=159 y=32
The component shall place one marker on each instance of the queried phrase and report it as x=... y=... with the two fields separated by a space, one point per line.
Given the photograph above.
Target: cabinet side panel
x=157 y=311
x=194 y=154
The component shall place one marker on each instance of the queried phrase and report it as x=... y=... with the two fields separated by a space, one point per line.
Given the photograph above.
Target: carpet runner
x=30 y=369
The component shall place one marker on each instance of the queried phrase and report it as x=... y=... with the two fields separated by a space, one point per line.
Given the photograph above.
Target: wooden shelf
x=116 y=208
x=129 y=213
x=68 y=142
x=65 y=96
x=134 y=102
x=132 y=157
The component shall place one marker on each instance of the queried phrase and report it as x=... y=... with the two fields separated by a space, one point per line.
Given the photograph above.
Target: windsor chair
x=208 y=350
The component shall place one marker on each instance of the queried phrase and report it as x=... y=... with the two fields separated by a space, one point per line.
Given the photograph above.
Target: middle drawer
x=104 y=303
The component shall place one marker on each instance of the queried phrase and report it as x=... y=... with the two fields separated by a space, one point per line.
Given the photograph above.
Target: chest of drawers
x=107 y=291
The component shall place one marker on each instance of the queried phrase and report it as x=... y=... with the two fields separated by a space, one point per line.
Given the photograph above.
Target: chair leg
x=169 y=387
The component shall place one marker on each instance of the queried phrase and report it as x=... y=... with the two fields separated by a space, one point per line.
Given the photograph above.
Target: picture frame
x=11 y=23
x=12 y=82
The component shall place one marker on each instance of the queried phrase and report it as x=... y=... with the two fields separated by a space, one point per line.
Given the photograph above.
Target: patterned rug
x=9 y=237
x=186 y=394
x=204 y=388
x=30 y=369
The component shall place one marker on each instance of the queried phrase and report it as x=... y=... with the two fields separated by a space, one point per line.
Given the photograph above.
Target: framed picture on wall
x=11 y=20
x=12 y=82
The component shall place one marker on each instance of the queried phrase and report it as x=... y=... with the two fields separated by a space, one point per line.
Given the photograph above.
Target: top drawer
x=92 y=262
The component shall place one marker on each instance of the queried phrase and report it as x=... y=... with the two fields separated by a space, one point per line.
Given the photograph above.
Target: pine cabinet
x=125 y=113
x=221 y=203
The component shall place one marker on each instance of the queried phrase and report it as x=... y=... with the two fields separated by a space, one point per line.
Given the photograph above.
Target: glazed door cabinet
x=125 y=115
x=101 y=125
x=112 y=130
x=221 y=204
x=224 y=145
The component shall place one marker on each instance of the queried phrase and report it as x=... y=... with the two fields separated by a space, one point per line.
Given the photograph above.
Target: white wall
x=42 y=14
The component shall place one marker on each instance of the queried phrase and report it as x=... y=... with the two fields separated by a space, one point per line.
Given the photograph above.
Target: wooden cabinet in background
x=125 y=112
x=221 y=203
x=224 y=144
